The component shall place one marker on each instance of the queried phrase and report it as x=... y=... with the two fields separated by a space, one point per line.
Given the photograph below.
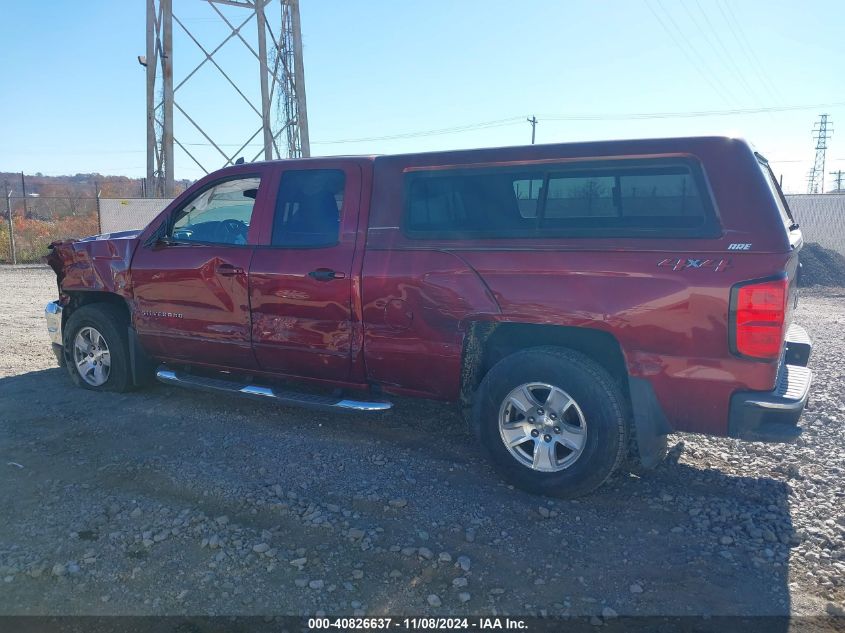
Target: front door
x=192 y=283
x=301 y=281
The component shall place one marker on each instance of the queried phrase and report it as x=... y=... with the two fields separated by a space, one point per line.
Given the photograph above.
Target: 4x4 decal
x=705 y=264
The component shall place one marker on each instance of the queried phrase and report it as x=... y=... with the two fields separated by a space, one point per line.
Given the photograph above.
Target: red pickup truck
x=577 y=301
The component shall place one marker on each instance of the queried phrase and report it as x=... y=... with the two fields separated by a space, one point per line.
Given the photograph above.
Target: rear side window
x=657 y=198
x=471 y=202
x=308 y=208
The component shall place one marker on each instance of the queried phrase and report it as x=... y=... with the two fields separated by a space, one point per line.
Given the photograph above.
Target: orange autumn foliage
x=32 y=236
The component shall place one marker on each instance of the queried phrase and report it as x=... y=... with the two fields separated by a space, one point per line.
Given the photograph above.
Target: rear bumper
x=772 y=416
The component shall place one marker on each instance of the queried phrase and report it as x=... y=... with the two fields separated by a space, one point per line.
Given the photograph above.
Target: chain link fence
x=38 y=220
x=129 y=214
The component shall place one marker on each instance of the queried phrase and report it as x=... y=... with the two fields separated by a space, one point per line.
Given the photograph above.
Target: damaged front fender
x=97 y=263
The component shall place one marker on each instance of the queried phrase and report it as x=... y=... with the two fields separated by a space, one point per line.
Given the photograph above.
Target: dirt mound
x=821 y=266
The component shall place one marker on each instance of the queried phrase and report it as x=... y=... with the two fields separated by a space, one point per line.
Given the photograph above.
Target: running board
x=292 y=398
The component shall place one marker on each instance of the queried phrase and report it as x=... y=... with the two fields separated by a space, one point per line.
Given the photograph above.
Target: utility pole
x=821 y=133
x=167 y=90
x=97 y=193
x=533 y=122
x=281 y=82
x=261 y=20
x=11 y=223
x=150 y=62
x=838 y=175
x=23 y=188
x=159 y=62
x=291 y=95
x=293 y=42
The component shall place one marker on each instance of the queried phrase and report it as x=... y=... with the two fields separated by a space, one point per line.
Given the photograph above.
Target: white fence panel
x=822 y=218
x=129 y=214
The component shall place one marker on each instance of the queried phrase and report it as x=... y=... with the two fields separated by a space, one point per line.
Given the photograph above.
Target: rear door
x=301 y=277
x=191 y=284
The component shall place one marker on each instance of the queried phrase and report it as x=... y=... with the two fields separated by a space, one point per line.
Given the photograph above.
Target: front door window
x=218 y=215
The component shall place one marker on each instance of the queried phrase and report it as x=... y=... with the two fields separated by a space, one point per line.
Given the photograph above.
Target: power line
x=682 y=49
x=748 y=50
x=689 y=115
x=724 y=54
x=449 y=130
x=692 y=54
x=798 y=160
x=518 y=120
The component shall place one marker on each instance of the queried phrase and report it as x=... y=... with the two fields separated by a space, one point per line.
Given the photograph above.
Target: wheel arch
x=487 y=342
x=78 y=298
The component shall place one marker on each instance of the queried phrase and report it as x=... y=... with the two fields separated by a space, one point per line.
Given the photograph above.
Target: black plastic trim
x=141 y=365
x=798 y=346
x=59 y=352
x=771 y=416
x=650 y=423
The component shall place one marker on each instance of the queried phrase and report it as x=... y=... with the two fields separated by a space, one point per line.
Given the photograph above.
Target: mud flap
x=142 y=366
x=650 y=424
x=59 y=352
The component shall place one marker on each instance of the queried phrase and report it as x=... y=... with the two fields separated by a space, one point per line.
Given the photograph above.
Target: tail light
x=758 y=318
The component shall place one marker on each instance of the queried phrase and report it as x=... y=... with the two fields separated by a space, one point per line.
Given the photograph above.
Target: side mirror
x=156 y=236
x=158 y=241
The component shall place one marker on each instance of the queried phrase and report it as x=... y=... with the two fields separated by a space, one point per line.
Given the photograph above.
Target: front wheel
x=553 y=421
x=96 y=348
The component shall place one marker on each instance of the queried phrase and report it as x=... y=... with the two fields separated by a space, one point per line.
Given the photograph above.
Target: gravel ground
x=166 y=501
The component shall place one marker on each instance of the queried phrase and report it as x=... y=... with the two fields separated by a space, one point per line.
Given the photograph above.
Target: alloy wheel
x=91 y=356
x=542 y=427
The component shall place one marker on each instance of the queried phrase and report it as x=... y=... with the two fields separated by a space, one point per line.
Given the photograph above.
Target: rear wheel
x=96 y=349
x=552 y=420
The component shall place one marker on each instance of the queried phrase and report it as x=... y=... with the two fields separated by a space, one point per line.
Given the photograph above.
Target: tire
x=110 y=323
x=588 y=441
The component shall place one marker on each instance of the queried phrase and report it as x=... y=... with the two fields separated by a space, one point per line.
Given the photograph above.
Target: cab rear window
x=655 y=197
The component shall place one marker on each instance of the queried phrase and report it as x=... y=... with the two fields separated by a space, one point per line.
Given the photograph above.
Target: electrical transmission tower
x=278 y=69
x=839 y=175
x=821 y=132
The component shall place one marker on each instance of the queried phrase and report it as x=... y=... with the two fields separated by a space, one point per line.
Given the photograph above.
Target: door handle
x=326 y=274
x=227 y=270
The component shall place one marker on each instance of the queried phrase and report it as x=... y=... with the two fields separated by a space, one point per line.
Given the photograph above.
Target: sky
x=383 y=75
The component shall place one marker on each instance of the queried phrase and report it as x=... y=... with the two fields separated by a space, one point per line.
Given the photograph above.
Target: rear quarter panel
x=672 y=325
